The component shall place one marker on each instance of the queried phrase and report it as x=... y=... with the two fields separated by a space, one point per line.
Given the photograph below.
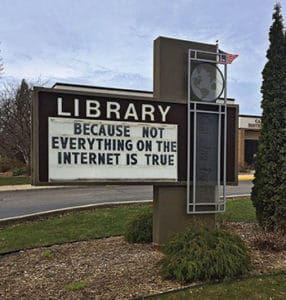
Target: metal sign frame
x=74 y=107
x=195 y=107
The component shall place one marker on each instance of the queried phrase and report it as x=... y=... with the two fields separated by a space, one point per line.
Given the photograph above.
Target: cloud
x=111 y=42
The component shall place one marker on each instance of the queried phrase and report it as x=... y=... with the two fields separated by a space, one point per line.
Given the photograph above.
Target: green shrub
x=139 y=230
x=204 y=254
x=18 y=171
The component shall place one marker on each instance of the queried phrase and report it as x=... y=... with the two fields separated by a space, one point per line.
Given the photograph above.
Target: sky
x=109 y=43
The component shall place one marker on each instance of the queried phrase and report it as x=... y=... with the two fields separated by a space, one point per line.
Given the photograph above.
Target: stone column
x=170 y=83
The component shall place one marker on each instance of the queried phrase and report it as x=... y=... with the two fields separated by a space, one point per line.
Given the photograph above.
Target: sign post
x=206 y=134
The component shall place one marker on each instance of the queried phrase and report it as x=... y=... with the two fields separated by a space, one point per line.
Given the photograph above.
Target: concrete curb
x=23 y=187
x=56 y=212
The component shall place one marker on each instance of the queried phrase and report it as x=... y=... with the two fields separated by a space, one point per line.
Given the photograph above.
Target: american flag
x=227 y=58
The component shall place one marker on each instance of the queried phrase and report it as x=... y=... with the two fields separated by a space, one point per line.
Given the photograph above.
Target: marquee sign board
x=96 y=149
x=107 y=138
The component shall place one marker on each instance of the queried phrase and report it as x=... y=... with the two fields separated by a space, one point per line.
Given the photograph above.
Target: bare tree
x=15 y=122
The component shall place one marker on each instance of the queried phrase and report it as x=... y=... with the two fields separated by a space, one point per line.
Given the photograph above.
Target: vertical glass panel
x=207 y=148
x=206 y=179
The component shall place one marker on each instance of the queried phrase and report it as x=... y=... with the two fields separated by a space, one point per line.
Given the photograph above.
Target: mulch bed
x=107 y=269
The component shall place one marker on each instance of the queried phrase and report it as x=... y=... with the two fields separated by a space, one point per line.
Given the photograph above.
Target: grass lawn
x=94 y=224
x=107 y=222
x=14 y=180
x=271 y=286
x=74 y=227
x=239 y=210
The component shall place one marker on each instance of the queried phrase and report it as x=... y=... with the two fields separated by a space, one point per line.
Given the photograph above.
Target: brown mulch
x=262 y=260
x=107 y=268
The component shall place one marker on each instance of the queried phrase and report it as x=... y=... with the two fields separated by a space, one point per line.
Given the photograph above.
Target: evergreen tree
x=269 y=191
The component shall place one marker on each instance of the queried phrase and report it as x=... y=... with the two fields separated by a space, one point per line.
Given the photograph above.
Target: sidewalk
x=23 y=187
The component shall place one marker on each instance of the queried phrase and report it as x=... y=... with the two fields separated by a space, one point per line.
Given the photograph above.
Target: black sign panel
x=52 y=103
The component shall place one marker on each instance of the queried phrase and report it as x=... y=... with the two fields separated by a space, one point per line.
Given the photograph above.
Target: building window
x=250 y=149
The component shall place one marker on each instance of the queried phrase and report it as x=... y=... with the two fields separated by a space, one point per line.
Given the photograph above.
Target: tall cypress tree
x=269 y=191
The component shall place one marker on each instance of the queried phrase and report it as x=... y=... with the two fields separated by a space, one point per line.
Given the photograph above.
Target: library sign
x=96 y=138
x=83 y=138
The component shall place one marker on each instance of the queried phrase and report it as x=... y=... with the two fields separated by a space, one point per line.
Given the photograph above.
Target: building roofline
x=250 y=116
x=70 y=85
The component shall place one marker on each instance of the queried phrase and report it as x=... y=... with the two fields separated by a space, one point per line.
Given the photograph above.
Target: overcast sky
x=110 y=42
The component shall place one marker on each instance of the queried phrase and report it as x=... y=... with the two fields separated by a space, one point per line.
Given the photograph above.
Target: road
x=18 y=203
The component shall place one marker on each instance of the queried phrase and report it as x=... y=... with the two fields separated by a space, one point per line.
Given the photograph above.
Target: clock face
x=207 y=82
